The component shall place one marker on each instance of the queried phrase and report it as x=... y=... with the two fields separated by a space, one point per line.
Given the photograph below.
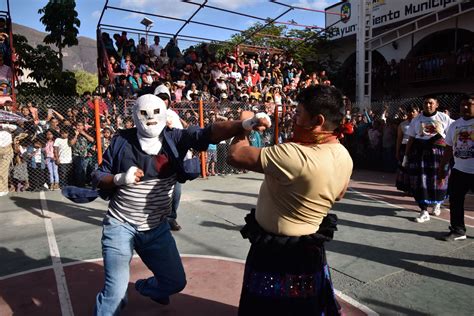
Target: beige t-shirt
x=301 y=184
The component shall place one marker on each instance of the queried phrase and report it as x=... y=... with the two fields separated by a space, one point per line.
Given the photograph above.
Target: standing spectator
x=5 y=71
x=460 y=144
x=211 y=160
x=36 y=165
x=50 y=161
x=6 y=155
x=142 y=49
x=403 y=179
x=80 y=146
x=156 y=48
x=424 y=150
x=63 y=158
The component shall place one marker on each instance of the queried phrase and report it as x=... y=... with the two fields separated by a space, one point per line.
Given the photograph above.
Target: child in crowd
x=36 y=165
x=19 y=174
x=63 y=158
x=50 y=161
x=211 y=159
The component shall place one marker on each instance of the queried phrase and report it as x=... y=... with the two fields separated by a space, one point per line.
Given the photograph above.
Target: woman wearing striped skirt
x=423 y=154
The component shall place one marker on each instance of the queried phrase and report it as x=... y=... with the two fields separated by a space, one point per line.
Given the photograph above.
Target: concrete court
x=382 y=261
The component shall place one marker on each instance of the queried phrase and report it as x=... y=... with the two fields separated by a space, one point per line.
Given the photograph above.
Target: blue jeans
x=175 y=201
x=53 y=171
x=79 y=165
x=158 y=251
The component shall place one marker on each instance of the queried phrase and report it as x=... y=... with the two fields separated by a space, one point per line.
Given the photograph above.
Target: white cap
x=162 y=89
x=223 y=95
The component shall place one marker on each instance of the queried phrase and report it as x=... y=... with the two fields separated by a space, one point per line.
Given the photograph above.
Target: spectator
x=6 y=154
x=80 y=143
x=36 y=165
x=5 y=72
x=50 y=161
x=63 y=158
x=156 y=48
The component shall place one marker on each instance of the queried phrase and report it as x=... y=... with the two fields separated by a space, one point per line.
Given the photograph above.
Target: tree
x=86 y=81
x=45 y=67
x=61 y=22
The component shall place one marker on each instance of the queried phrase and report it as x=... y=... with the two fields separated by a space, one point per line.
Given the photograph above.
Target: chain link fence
x=56 y=145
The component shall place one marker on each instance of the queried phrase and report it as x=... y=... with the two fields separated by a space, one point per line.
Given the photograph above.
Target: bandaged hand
x=132 y=175
x=259 y=121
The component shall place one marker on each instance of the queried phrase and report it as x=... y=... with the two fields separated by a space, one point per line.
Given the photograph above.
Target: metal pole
x=360 y=51
x=203 y=153
x=98 y=138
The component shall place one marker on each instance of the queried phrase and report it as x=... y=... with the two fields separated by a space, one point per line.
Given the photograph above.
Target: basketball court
x=382 y=262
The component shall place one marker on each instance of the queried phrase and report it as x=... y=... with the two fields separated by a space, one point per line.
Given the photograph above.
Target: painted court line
x=343 y=296
x=63 y=293
x=397 y=206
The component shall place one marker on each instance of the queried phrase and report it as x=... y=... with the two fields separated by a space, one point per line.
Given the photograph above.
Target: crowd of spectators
x=55 y=145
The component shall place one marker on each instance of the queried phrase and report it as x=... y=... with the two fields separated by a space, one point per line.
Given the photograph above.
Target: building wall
x=347 y=46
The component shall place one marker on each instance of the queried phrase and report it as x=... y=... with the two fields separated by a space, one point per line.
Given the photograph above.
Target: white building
x=419 y=46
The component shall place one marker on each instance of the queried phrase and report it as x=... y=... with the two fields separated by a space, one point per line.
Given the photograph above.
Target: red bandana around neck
x=308 y=136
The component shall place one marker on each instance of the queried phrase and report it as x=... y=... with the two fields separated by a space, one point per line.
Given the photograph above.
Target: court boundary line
x=338 y=293
x=61 y=282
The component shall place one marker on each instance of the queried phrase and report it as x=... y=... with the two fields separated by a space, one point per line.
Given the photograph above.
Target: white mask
x=149 y=116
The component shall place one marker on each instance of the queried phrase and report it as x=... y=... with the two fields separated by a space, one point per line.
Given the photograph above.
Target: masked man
x=139 y=171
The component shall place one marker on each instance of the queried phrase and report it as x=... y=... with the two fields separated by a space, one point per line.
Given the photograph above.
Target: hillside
x=80 y=57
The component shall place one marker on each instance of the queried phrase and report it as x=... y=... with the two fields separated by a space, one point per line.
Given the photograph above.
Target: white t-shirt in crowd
x=460 y=136
x=64 y=150
x=5 y=134
x=156 y=49
x=404 y=126
x=425 y=127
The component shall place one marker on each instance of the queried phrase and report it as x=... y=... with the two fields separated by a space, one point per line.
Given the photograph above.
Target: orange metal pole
x=201 y=124
x=98 y=138
x=275 y=112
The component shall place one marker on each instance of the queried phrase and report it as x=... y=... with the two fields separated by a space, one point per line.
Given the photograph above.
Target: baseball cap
x=162 y=89
x=79 y=195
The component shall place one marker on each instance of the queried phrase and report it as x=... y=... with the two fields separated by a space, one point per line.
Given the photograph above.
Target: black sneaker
x=163 y=301
x=452 y=236
x=174 y=225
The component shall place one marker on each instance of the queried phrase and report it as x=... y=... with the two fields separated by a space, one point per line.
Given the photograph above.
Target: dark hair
x=412 y=107
x=323 y=100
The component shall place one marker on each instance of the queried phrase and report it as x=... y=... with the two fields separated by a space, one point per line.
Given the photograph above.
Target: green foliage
x=61 y=22
x=86 y=81
x=46 y=70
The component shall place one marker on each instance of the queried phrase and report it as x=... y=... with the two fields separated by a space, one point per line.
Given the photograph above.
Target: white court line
x=343 y=296
x=63 y=292
x=353 y=302
x=398 y=206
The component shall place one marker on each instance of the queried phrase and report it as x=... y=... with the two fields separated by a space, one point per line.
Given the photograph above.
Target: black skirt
x=287 y=275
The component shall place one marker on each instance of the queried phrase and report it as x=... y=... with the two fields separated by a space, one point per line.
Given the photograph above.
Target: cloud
x=314 y=4
x=96 y=14
x=233 y=4
x=171 y=8
x=179 y=9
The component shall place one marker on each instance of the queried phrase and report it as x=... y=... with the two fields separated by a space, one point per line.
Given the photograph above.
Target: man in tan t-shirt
x=286 y=270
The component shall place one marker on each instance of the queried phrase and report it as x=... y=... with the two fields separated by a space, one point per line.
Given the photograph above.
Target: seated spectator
x=124 y=90
x=136 y=82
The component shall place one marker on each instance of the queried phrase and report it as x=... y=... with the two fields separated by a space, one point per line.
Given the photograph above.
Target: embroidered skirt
x=287 y=275
x=423 y=168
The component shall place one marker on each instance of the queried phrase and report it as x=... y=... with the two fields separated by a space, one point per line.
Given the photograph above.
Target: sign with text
x=384 y=12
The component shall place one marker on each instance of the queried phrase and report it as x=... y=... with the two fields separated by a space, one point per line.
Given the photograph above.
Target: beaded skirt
x=287 y=275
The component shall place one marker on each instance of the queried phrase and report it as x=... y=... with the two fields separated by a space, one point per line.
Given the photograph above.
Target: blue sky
x=25 y=12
